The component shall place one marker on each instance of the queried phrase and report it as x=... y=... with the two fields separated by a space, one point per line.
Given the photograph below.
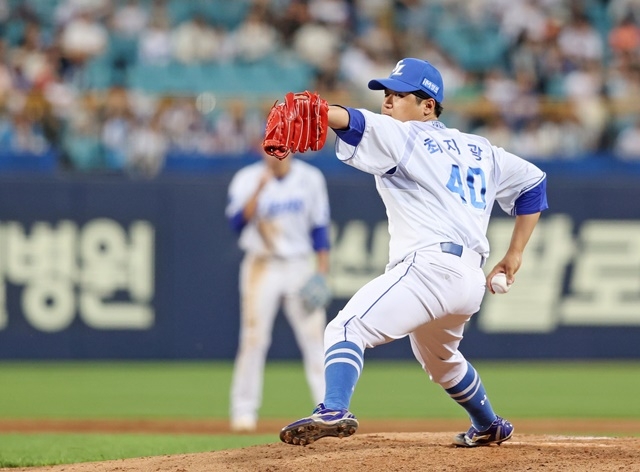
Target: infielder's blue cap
x=411 y=75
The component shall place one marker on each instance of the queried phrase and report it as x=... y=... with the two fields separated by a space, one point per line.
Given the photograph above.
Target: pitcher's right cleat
x=322 y=422
x=499 y=431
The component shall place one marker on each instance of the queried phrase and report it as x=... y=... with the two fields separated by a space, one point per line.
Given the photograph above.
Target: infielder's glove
x=316 y=293
x=298 y=124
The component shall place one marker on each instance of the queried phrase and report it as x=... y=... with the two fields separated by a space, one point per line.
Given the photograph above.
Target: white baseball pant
x=429 y=297
x=265 y=285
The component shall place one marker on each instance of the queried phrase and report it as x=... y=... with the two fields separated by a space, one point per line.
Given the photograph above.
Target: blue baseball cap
x=411 y=75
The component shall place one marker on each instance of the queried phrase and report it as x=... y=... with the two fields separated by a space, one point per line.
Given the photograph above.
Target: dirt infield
x=379 y=445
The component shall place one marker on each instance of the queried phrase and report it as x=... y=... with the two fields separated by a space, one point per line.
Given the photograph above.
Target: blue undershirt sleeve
x=237 y=222
x=320 y=238
x=353 y=134
x=533 y=200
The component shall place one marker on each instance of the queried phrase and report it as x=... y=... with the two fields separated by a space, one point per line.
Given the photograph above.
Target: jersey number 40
x=476 y=186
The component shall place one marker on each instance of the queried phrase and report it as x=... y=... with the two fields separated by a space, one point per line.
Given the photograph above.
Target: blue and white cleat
x=499 y=431
x=322 y=422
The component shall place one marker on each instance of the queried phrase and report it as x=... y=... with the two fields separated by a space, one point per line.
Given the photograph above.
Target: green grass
x=194 y=390
x=517 y=389
x=200 y=390
x=564 y=389
x=26 y=450
x=114 y=390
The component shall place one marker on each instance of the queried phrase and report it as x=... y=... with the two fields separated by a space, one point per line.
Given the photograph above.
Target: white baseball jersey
x=438 y=184
x=288 y=209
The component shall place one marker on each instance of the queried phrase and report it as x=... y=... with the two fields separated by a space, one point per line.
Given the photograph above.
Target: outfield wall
x=112 y=268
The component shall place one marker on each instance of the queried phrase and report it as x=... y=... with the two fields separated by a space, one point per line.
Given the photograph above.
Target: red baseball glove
x=298 y=124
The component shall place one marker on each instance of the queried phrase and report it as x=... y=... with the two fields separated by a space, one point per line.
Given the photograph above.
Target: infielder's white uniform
x=278 y=261
x=438 y=186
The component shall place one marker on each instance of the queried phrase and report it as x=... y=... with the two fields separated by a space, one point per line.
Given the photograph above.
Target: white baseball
x=499 y=283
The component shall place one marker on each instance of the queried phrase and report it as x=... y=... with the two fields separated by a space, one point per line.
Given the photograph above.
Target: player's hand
x=509 y=265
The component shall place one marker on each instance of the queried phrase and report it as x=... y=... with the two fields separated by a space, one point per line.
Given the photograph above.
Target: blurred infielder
x=281 y=210
x=439 y=186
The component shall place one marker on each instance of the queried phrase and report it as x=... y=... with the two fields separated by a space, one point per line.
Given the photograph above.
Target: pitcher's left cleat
x=499 y=431
x=322 y=422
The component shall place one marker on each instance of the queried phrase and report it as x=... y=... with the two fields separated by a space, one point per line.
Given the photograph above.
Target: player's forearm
x=522 y=231
x=322 y=262
x=249 y=210
x=338 y=117
x=510 y=263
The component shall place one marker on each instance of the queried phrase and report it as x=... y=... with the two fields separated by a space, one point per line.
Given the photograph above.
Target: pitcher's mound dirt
x=370 y=451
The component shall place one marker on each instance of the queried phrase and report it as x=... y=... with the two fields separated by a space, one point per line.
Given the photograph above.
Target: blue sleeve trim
x=533 y=200
x=237 y=222
x=320 y=237
x=353 y=134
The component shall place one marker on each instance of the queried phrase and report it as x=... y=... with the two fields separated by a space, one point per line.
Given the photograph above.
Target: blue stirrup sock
x=471 y=395
x=342 y=367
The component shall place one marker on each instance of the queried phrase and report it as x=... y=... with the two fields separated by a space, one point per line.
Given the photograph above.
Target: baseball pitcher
x=439 y=186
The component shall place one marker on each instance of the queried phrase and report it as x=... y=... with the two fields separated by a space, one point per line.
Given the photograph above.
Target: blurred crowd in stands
x=105 y=84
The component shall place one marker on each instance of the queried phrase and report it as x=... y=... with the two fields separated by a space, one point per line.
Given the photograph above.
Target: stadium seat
x=223 y=12
x=44 y=9
x=98 y=73
x=148 y=78
x=179 y=11
x=222 y=78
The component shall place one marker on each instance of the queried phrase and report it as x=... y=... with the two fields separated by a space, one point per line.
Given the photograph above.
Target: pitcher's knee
x=353 y=330
x=336 y=332
x=447 y=372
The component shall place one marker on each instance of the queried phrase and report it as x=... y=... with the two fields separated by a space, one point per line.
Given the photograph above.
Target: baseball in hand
x=499 y=283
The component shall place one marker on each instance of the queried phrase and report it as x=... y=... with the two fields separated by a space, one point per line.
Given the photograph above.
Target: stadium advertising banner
x=112 y=268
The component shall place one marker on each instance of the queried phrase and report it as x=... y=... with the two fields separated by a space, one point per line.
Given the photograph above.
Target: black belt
x=458 y=250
